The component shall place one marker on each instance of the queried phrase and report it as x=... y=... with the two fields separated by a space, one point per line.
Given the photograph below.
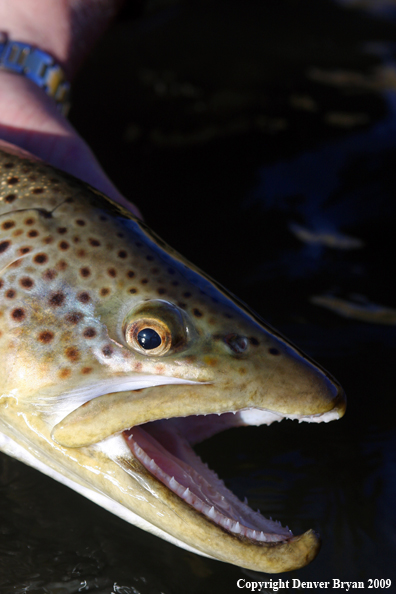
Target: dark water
x=259 y=139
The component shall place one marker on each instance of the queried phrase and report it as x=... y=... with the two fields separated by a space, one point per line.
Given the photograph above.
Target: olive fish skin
x=114 y=347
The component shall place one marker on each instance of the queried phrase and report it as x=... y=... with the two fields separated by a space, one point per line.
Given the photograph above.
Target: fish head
x=117 y=355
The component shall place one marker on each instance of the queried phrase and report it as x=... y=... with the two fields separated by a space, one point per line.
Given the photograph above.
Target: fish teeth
x=189 y=498
x=152 y=465
x=262 y=537
x=212 y=513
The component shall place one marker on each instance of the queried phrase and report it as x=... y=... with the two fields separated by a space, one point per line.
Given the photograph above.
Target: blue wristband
x=37 y=66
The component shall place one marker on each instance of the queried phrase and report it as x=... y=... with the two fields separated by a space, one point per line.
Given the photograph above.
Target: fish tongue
x=169 y=457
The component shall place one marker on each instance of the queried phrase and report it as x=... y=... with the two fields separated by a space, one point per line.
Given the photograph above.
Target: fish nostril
x=237 y=343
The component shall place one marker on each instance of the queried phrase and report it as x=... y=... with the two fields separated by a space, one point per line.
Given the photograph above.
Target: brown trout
x=117 y=355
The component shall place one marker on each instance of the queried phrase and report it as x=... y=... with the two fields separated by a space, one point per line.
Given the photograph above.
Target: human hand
x=67 y=30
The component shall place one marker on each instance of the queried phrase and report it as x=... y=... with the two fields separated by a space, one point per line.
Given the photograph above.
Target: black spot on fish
x=8 y=225
x=26 y=282
x=46 y=336
x=89 y=332
x=10 y=294
x=57 y=299
x=84 y=297
x=85 y=272
x=72 y=353
x=4 y=245
x=40 y=258
x=197 y=313
x=10 y=198
x=49 y=274
x=12 y=181
x=18 y=314
x=74 y=317
x=107 y=351
x=273 y=351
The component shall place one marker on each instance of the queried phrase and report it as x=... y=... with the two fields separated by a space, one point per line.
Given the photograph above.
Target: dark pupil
x=149 y=338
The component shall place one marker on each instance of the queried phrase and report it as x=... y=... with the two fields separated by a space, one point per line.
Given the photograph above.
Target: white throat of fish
x=164 y=448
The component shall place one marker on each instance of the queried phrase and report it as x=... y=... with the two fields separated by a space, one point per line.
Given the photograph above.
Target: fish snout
x=295 y=386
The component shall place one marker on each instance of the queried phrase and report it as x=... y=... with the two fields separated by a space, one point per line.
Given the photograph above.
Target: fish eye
x=149 y=336
x=149 y=339
x=154 y=327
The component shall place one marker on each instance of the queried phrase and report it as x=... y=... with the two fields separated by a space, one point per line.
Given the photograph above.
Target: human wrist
x=40 y=23
x=65 y=29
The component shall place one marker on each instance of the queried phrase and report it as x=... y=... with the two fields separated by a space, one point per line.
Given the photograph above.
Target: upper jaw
x=318 y=398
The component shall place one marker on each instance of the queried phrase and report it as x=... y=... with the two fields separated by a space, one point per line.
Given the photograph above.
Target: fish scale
x=85 y=400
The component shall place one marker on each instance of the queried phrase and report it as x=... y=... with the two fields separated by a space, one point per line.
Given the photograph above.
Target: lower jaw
x=183 y=473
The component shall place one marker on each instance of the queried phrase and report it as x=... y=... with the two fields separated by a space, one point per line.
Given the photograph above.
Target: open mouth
x=163 y=448
x=120 y=425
